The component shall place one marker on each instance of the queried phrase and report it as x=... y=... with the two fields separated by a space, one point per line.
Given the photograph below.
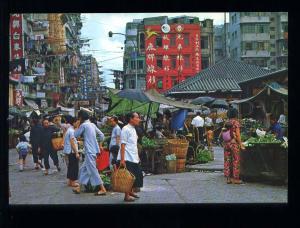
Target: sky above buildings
x=108 y=50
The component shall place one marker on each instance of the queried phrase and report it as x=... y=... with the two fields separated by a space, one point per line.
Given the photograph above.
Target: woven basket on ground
x=122 y=180
x=179 y=147
x=58 y=143
x=180 y=165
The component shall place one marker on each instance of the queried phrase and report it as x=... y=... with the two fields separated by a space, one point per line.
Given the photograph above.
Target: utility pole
x=225 y=38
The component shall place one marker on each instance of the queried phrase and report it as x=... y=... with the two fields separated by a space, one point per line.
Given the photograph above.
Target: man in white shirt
x=198 y=123
x=128 y=154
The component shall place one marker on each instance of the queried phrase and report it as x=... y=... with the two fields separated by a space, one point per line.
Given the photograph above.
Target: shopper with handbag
x=128 y=155
x=46 y=145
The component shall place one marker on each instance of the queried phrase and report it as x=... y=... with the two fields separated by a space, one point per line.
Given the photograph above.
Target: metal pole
x=136 y=77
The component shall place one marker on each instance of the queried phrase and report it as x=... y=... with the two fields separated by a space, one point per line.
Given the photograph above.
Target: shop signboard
x=44 y=103
x=83 y=103
x=16 y=41
x=18 y=98
x=40 y=94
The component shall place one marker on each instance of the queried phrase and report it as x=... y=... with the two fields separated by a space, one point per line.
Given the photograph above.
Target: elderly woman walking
x=88 y=172
x=232 y=149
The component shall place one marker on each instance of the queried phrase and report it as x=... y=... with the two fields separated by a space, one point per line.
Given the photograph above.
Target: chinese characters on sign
x=16 y=41
x=18 y=98
x=197 y=53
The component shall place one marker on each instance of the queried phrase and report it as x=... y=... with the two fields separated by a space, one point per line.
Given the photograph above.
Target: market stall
x=147 y=103
x=265 y=158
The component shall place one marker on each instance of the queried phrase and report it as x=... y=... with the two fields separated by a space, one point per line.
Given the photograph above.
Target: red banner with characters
x=16 y=41
x=18 y=98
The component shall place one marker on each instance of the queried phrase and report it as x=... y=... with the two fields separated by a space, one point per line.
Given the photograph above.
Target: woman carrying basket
x=128 y=155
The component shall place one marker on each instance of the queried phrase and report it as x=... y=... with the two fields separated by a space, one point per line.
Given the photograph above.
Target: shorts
x=22 y=156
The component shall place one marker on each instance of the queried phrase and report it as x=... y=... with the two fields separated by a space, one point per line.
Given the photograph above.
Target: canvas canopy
x=144 y=102
x=272 y=86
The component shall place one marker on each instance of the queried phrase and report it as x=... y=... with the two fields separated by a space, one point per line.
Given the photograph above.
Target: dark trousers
x=53 y=155
x=136 y=170
x=36 y=156
x=199 y=131
x=73 y=167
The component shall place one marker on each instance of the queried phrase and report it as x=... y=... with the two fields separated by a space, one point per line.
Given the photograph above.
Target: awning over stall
x=31 y=103
x=277 y=88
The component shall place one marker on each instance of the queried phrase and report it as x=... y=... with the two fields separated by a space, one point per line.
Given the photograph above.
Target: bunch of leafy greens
x=148 y=143
x=204 y=156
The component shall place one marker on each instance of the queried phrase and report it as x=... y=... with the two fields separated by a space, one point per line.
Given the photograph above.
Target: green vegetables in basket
x=171 y=157
x=204 y=156
x=148 y=143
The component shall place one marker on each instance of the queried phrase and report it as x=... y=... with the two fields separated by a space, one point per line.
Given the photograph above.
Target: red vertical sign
x=18 y=98
x=16 y=41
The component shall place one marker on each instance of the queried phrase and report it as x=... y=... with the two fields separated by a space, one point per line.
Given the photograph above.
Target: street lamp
x=110 y=34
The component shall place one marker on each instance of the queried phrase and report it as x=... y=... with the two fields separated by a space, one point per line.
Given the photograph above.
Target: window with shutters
x=186 y=59
x=186 y=38
x=158 y=41
x=159 y=61
x=172 y=40
x=173 y=61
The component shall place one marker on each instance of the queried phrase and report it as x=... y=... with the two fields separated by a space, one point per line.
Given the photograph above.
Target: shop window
x=186 y=39
x=173 y=61
x=248 y=46
x=159 y=82
x=159 y=61
x=140 y=64
x=172 y=40
x=132 y=84
x=204 y=42
x=205 y=62
x=186 y=59
x=132 y=64
x=158 y=41
x=142 y=41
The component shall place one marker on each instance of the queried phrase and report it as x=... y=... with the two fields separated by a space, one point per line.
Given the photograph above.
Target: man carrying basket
x=128 y=154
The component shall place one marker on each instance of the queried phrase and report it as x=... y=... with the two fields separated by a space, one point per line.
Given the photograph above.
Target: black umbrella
x=202 y=100
x=218 y=103
x=133 y=94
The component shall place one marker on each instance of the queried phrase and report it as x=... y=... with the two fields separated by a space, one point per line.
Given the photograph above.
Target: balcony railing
x=254 y=19
x=255 y=53
x=255 y=36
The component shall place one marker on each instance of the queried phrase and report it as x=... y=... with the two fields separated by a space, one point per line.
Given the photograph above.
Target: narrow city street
x=31 y=187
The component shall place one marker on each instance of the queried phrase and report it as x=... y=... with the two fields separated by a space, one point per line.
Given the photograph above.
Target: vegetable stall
x=265 y=158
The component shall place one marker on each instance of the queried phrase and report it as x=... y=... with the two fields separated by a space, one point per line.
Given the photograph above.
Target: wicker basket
x=122 y=180
x=179 y=147
x=171 y=166
x=58 y=143
x=180 y=165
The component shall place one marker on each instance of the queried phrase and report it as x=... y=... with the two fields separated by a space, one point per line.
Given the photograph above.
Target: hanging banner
x=16 y=41
x=18 y=98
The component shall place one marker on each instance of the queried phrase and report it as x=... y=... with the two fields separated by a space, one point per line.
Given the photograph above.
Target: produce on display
x=171 y=157
x=148 y=143
x=267 y=139
x=285 y=143
x=203 y=155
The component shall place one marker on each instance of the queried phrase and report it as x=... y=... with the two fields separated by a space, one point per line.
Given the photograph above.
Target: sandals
x=75 y=191
x=134 y=195
x=100 y=193
x=129 y=199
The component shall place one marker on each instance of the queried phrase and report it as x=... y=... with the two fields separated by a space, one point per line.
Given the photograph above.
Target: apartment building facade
x=259 y=38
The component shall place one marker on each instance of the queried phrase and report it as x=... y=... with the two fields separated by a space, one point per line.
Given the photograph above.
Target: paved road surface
x=31 y=187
